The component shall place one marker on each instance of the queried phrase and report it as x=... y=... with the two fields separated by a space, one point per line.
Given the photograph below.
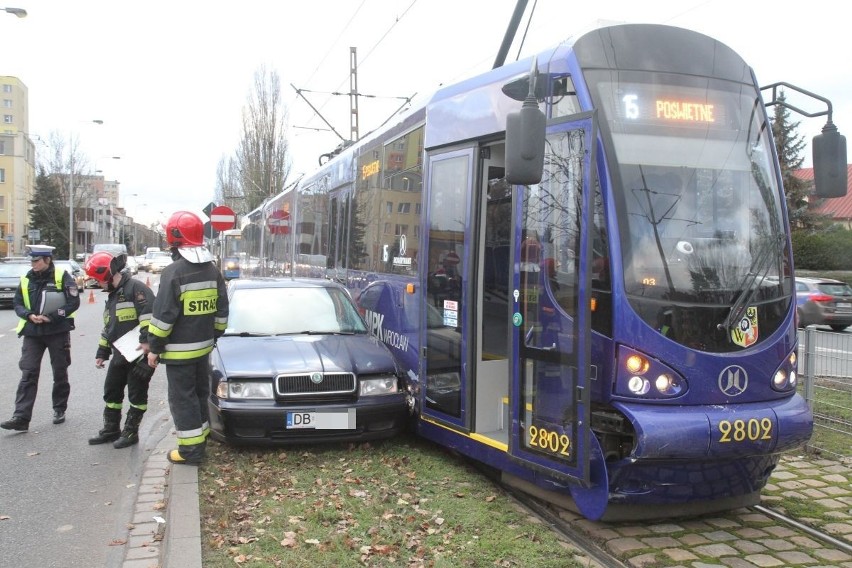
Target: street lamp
x=20 y=12
x=71 y=200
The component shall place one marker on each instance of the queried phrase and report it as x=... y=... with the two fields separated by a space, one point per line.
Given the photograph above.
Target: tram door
x=551 y=315
x=468 y=321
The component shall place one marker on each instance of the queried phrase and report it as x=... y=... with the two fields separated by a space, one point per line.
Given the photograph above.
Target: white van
x=112 y=248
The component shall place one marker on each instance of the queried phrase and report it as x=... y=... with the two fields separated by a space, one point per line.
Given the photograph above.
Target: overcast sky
x=169 y=78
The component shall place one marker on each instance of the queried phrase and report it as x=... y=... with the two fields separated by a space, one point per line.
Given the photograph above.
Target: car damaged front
x=305 y=387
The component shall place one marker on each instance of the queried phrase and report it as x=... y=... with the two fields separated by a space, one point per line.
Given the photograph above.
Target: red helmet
x=102 y=265
x=185 y=229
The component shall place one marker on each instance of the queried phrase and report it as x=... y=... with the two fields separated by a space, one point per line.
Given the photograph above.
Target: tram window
x=563 y=100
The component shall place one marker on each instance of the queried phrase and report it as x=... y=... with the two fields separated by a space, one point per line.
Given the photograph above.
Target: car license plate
x=5 y=295
x=844 y=306
x=318 y=420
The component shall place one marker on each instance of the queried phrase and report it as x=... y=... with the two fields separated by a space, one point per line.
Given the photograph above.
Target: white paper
x=127 y=344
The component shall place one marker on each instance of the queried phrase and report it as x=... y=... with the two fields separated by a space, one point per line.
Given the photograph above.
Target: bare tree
x=262 y=160
x=229 y=189
x=63 y=164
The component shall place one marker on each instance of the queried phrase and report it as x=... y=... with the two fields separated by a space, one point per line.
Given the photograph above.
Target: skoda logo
x=733 y=380
x=316 y=378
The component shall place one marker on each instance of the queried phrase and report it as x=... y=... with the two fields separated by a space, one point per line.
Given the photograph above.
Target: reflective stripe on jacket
x=190 y=312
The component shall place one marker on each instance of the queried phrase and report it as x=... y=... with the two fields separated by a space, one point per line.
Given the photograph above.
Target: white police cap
x=40 y=250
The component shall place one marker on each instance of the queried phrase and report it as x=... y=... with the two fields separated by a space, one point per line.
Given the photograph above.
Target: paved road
x=62 y=501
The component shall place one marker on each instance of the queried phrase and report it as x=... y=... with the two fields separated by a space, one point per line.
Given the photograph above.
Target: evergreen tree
x=789 y=145
x=48 y=214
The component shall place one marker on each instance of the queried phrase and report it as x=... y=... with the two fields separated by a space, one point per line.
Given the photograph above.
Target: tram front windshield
x=699 y=209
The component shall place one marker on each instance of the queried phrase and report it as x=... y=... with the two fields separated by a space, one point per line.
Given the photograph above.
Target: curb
x=165 y=528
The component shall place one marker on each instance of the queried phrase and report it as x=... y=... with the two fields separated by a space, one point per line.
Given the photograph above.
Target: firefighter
x=190 y=313
x=127 y=311
x=46 y=301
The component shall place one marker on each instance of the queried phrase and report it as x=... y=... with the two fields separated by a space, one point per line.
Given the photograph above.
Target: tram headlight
x=786 y=377
x=639 y=385
x=639 y=375
x=779 y=381
x=637 y=365
x=668 y=384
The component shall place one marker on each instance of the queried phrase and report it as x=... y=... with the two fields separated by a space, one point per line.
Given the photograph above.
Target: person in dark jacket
x=127 y=311
x=190 y=313
x=46 y=301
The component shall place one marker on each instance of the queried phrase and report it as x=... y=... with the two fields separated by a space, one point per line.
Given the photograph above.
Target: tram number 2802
x=550 y=441
x=751 y=430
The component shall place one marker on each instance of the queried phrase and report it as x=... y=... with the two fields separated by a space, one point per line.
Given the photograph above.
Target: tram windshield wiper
x=753 y=279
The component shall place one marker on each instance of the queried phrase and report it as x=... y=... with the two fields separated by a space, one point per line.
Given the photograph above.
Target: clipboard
x=127 y=344
x=50 y=301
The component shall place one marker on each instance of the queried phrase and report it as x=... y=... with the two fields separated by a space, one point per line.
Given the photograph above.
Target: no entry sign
x=223 y=218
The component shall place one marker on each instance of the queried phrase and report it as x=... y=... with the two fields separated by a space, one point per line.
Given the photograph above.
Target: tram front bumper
x=718 y=431
x=705 y=454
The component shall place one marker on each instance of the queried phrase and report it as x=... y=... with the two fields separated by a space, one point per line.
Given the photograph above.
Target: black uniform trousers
x=59 y=347
x=119 y=376
x=189 y=389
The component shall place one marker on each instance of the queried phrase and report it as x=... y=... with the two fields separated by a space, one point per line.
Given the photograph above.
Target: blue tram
x=229 y=253
x=592 y=294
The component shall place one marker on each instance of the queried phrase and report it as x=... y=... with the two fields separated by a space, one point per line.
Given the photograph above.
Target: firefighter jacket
x=127 y=306
x=30 y=294
x=190 y=312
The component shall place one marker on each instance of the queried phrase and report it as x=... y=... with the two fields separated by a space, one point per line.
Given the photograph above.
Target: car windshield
x=13 y=269
x=290 y=310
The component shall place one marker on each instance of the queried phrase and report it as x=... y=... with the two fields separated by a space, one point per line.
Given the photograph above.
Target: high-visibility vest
x=25 y=292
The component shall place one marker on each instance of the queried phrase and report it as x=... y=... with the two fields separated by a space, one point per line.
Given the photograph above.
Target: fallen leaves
x=356 y=505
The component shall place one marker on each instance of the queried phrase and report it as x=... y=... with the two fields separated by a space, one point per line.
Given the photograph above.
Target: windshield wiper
x=244 y=334
x=753 y=279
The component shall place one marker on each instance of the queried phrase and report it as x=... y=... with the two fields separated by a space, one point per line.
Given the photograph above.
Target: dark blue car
x=296 y=364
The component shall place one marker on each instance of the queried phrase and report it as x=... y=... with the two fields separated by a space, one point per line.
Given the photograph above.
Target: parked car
x=73 y=268
x=10 y=277
x=159 y=261
x=132 y=264
x=145 y=261
x=823 y=301
x=297 y=365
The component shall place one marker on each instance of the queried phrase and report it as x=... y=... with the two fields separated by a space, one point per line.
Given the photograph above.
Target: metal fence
x=825 y=368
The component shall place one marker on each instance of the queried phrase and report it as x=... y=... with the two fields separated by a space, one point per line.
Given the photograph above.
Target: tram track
x=811 y=531
x=590 y=549
x=598 y=557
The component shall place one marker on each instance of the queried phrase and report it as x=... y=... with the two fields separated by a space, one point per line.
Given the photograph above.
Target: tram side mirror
x=829 y=156
x=525 y=134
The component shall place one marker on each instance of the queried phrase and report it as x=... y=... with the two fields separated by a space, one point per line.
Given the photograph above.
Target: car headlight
x=244 y=390
x=378 y=386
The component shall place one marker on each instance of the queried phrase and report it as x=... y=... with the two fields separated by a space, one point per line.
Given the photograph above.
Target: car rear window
x=837 y=289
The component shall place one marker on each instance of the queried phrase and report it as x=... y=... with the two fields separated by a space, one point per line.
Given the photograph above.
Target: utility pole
x=353 y=94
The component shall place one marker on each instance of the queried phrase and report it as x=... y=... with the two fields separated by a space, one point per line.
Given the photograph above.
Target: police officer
x=127 y=310
x=45 y=301
x=190 y=312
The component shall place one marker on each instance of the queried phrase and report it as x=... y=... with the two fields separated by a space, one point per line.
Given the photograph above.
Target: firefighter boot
x=112 y=427
x=187 y=455
x=130 y=434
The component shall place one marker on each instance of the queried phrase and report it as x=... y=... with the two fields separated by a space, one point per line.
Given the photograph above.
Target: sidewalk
x=165 y=531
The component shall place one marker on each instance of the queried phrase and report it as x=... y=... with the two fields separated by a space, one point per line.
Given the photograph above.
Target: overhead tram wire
x=370 y=52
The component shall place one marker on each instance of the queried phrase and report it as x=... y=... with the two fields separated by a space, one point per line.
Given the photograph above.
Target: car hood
x=9 y=282
x=271 y=356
